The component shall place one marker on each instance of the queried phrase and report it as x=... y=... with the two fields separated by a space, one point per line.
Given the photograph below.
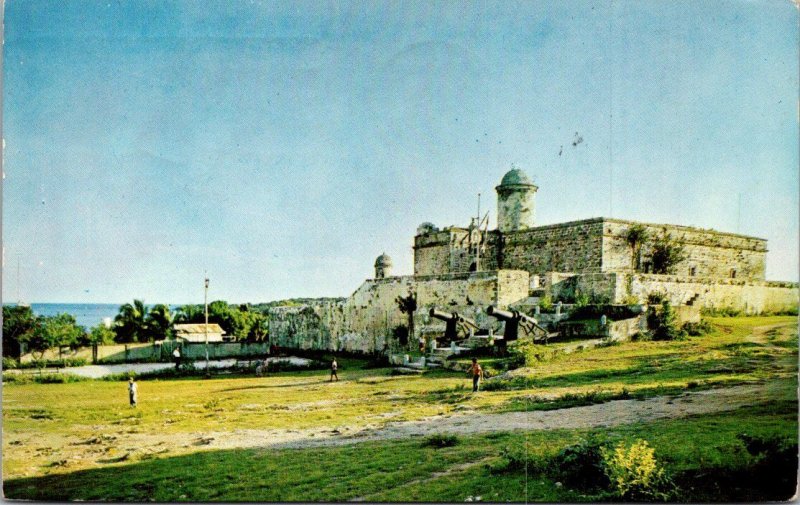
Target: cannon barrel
x=527 y=319
x=504 y=315
x=444 y=316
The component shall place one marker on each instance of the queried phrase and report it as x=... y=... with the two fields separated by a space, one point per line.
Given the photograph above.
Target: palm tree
x=158 y=323
x=189 y=314
x=129 y=324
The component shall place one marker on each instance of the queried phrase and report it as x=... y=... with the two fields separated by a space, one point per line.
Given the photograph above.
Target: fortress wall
x=366 y=321
x=752 y=297
x=432 y=253
x=711 y=253
x=601 y=286
x=567 y=247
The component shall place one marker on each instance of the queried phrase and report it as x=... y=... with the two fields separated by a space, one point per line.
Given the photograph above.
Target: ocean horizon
x=87 y=315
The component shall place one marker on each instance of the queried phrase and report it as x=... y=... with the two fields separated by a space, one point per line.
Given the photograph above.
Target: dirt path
x=612 y=413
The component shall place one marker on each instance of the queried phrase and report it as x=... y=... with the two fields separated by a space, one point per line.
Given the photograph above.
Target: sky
x=280 y=147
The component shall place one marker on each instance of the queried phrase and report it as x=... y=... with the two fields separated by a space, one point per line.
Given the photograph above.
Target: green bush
x=518 y=459
x=54 y=363
x=581 y=465
x=440 y=440
x=50 y=378
x=581 y=299
x=656 y=297
x=663 y=322
x=526 y=353
x=546 y=303
x=10 y=363
x=630 y=300
x=721 y=312
x=633 y=472
x=697 y=329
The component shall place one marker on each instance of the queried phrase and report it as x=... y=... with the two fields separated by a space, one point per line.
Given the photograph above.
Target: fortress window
x=693 y=271
x=733 y=273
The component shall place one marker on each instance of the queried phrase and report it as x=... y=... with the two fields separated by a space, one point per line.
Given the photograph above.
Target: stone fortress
x=519 y=265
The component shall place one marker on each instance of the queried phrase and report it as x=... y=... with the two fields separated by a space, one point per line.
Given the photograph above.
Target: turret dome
x=383 y=261
x=516 y=177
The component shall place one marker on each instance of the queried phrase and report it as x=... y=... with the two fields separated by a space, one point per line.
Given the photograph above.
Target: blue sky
x=282 y=146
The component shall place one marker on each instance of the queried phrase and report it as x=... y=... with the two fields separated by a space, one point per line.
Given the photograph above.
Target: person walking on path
x=477 y=374
x=177 y=355
x=133 y=391
x=334 y=367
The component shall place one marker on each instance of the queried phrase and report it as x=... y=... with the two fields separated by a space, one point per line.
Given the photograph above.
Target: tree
x=100 y=335
x=158 y=323
x=667 y=253
x=636 y=236
x=408 y=305
x=189 y=314
x=130 y=324
x=259 y=330
x=55 y=331
x=18 y=326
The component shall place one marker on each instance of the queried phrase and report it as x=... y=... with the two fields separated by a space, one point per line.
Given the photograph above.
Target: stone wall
x=752 y=297
x=591 y=246
x=709 y=253
x=367 y=320
x=567 y=247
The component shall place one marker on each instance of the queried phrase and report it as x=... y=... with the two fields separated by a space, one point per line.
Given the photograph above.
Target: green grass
x=48 y=451
x=413 y=470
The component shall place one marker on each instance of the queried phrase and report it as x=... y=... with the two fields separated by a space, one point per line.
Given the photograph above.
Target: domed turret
x=383 y=266
x=515 y=176
x=515 y=201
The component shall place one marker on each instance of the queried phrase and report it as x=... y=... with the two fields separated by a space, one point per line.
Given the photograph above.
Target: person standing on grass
x=177 y=355
x=334 y=367
x=477 y=374
x=133 y=392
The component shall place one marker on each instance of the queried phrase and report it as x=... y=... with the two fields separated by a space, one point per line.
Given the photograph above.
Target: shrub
x=526 y=353
x=581 y=299
x=721 y=312
x=697 y=329
x=607 y=342
x=630 y=300
x=656 y=297
x=581 y=465
x=9 y=363
x=44 y=363
x=546 y=303
x=634 y=473
x=663 y=322
x=440 y=440
x=517 y=459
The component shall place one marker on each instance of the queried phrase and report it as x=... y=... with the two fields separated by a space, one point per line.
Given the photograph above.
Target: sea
x=87 y=315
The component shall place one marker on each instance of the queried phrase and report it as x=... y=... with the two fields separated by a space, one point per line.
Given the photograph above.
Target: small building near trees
x=194 y=333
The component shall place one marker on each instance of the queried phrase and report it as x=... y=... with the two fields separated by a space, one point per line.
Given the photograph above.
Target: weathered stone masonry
x=464 y=270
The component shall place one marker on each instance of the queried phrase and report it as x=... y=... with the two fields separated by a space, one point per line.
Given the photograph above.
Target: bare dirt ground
x=136 y=445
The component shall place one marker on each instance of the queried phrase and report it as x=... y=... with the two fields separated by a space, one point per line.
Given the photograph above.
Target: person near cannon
x=477 y=374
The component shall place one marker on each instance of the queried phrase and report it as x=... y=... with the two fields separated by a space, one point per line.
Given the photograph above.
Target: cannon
x=514 y=319
x=454 y=322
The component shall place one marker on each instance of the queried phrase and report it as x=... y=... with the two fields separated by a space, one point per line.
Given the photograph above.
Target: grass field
x=241 y=437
